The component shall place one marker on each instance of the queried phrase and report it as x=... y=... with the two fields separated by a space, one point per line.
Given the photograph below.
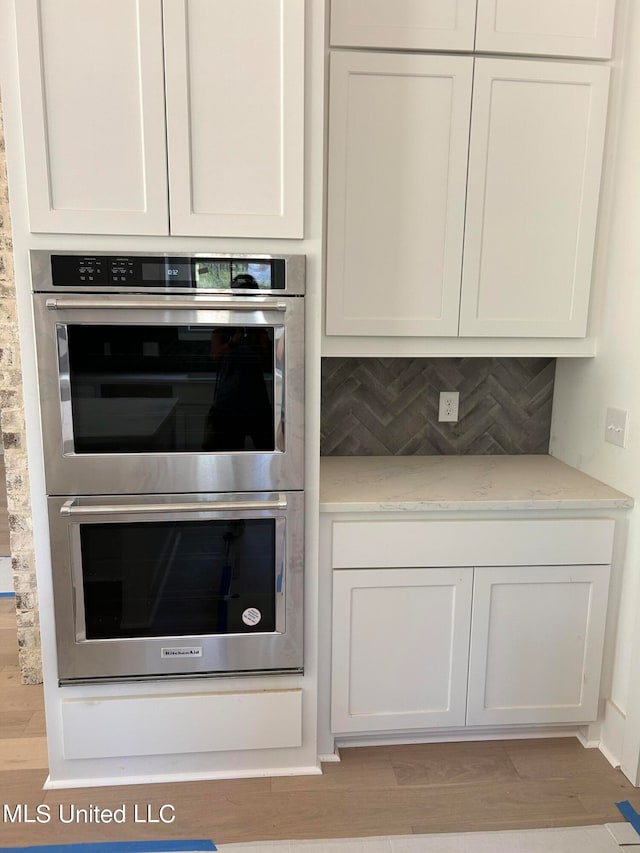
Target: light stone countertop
x=446 y=483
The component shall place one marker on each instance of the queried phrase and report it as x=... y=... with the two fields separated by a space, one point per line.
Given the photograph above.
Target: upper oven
x=170 y=373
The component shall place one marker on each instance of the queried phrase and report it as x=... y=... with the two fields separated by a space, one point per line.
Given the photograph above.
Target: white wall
x=585 y=388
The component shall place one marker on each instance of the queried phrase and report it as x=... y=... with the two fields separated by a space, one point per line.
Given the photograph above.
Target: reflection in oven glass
x=158 y=389
x=167 y=579
x=223 y=275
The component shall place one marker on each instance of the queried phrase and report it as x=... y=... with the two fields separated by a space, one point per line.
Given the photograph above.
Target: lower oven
x=177 y=585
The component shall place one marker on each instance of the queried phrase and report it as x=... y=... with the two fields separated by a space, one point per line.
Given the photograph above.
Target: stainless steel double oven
x=172 y=404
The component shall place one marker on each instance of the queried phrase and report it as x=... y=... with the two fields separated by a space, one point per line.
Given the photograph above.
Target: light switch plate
x=615 y=431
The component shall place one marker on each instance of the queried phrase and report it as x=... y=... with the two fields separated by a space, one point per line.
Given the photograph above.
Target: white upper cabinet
x=235 y=90
x=399 y=262
x=549 y=27
x=92 y=88
x=404 y=24
x=537 y=138
x=398 y=141
x=92 y=79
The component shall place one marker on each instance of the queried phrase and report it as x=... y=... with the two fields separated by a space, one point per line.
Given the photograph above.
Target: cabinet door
x=92 y=90
x=551 y=27
x=536 y=644
x=537 y=139
x=408 y=24
x=398 y=142
x=235 y=116
x=400 y=648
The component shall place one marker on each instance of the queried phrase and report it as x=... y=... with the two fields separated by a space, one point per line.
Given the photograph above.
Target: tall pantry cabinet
x=163 y=117
x=463 y=189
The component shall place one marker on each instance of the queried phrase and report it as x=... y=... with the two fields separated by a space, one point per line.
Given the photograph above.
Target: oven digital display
x=169 y=271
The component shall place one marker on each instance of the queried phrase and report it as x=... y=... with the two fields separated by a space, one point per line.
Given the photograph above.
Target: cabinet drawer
x=547 y=27
x=404 y=24
x=389 y=544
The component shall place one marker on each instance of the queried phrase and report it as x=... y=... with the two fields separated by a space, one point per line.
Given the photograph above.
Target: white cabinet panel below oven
x=181 y=724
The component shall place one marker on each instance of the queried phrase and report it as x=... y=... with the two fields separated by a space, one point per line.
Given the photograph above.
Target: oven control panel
x=170 y=272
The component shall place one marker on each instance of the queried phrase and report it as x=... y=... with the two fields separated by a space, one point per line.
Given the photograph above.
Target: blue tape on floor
x=627 y=810
x=7 y=595
x=118 y=847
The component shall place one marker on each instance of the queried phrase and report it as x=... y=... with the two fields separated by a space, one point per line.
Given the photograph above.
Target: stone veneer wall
x=15 y=453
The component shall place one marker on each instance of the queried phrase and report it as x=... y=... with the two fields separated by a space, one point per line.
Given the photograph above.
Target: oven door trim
x=81 y=660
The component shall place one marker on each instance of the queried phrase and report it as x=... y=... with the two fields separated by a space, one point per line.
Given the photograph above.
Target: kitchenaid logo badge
x=182 y=652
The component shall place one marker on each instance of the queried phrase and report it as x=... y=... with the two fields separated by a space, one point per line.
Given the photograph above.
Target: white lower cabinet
x=536 y=644
x=400 y=648
x=517 y=640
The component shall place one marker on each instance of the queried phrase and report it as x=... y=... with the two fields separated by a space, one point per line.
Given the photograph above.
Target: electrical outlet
x=615 y=431
x=448 y=409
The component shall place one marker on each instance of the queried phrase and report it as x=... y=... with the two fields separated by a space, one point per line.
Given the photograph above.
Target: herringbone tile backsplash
x=389 y=406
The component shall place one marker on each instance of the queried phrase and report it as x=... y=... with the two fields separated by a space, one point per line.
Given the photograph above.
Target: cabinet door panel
x=400 y=648
x=398 y=143
x=235 y=89
x=536 y=644
x=537 y=139
x=92 y=88
x=549 y=27
x=408 y=24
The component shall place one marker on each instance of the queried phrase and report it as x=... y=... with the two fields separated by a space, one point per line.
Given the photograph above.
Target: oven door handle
x=71 y=508
x=260 y=304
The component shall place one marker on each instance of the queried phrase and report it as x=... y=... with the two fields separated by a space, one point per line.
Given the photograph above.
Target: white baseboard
x=156 y=778
x=589 y=736
x=612 y=733
x=330 y=757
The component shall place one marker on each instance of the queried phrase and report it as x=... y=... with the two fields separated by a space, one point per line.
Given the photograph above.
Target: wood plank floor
x=373 y=791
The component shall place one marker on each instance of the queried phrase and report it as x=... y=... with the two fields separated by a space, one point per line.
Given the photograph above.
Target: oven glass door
x=179 y=578
x=173 y=388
